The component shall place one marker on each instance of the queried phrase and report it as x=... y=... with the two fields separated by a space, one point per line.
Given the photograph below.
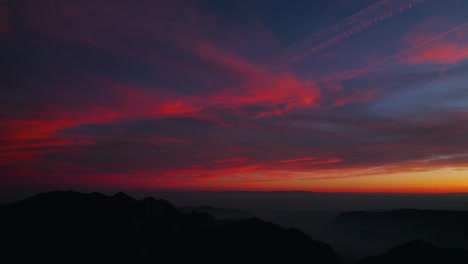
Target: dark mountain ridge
x=417 y=251
x=369 y=233
x=441 y=227
x=219 y=213
x=78 y=228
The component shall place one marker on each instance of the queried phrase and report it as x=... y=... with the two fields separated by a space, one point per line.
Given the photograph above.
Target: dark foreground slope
x=419 y=252
x=91 y=228
x=375 y=232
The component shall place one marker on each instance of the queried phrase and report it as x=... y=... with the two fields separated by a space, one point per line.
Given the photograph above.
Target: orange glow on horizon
x=437 y=182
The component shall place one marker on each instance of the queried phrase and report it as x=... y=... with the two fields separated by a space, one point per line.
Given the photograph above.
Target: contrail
x=441 y=35
x=346 y=28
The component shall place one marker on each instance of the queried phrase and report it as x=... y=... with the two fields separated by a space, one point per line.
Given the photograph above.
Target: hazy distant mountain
x=374 y=232
x=418 y=252
x=71 y=227
x=219 y=213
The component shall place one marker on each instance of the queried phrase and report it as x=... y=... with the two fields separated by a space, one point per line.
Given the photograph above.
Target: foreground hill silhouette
x=375 y=232
x=72 y=227
x=418 y=252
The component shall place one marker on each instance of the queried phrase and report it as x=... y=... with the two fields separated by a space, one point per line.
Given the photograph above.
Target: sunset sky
x=256 y=95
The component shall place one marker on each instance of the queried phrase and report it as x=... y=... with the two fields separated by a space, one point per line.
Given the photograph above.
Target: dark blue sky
x=358 y=95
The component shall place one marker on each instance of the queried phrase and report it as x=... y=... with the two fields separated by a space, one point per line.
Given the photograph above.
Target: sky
x=252 y=95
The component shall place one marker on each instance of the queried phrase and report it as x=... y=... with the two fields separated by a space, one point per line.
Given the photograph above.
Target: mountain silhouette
x=374 y=232
x=72 y=227
x=219 y=213
x=417 y=251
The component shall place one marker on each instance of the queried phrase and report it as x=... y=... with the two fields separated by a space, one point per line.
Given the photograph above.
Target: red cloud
x=444 y=53
x=125 y=101
x=442 y=48
x=181 y=27
x=283 y=92
x=27 y=135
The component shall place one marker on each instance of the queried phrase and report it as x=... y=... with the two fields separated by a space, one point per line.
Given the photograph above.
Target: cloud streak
x=345 y=29
x=450 y=52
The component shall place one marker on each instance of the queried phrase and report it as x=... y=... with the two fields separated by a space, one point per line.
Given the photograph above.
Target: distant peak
x=123 y=196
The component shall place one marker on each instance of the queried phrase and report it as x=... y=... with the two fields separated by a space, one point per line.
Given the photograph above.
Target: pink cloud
x=448 y=47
